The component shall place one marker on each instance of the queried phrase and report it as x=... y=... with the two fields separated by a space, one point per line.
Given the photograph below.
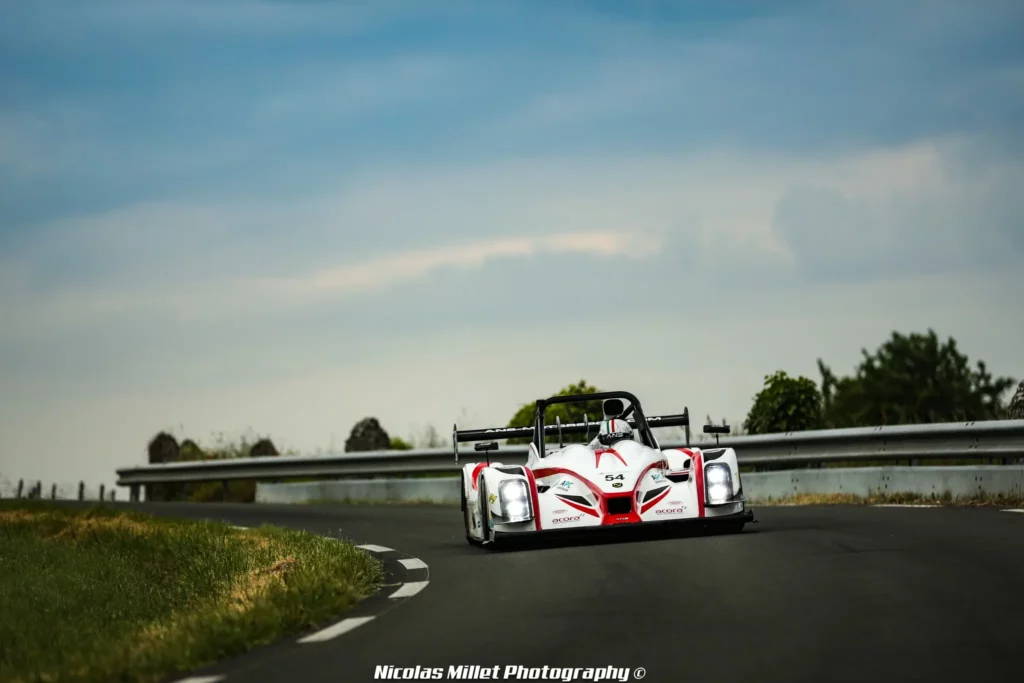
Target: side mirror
x=486 y=446
x=716 y=430
x=455 y=441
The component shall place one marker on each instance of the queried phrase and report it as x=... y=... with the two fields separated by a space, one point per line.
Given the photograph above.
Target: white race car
x=622 y=477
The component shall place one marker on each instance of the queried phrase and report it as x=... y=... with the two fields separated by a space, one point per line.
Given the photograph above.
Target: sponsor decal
x=492 y=498
x=617 y=485
x=658 y=477
x=612 y=477
x=675 y=502
x=670 y=511
x=565 y=485
x=558 y=512
x=564 y=520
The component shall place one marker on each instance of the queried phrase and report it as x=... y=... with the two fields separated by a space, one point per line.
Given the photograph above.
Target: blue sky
x=283 y=216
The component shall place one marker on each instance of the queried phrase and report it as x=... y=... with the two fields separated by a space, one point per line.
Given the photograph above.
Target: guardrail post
x=53 y=492
x=21 y=486
x=133 y=494
x=39 y=489
x=101 y=492
x=81 y=490
x=113 y=494
x=224 y=490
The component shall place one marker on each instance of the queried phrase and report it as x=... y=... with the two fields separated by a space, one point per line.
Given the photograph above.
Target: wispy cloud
x=380 y=273
x=911 y=209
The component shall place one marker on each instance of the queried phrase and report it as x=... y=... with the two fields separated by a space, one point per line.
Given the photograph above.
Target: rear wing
x=470 y=435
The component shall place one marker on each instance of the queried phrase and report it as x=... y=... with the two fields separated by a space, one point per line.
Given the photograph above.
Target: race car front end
x=518 y=501
x=619 y=479
x=683 y=488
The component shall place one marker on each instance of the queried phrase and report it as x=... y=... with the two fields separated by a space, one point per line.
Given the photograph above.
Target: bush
x=263 y=448
x=785 y=404
x=367 y=435
x=913 y=379
x=567 y=412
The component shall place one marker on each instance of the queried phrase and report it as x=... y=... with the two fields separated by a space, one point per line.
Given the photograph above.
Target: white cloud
x=388 y=271
x=381 y=229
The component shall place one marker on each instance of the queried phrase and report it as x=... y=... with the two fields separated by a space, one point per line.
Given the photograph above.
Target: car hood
x=602 y=466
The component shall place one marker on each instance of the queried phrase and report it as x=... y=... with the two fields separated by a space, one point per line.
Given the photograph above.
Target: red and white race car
x=622 y=477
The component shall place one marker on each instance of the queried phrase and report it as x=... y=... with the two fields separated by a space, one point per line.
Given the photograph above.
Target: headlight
x=515 y=500
x=719 y=483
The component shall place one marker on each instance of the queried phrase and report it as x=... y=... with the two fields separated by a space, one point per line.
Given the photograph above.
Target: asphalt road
x=807 y=594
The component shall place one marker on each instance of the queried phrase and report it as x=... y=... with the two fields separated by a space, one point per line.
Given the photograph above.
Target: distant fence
x=999 y=442
x=37 y=491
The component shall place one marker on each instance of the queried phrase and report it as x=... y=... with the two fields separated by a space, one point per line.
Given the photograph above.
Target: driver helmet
x=614 y=430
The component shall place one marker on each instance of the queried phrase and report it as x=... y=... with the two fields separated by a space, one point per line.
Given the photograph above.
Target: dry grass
x=978 y=500
x=100 y=595
x=257 y=582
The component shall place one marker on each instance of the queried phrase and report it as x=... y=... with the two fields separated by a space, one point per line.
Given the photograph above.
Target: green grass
x=945 y=500
x=103 y=595
x=359 y=501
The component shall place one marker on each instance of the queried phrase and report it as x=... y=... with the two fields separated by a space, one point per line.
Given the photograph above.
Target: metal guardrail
x=999 y=439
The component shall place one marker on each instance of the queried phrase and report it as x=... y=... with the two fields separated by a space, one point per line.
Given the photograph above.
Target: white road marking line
x=894 y=505
x=375 y=548
x=414 y=563
x=409 y=589
x=1013 y=510
x=201 y=679
x=343 y=626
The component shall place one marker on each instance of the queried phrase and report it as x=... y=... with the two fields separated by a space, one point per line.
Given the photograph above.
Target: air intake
x=620 y=506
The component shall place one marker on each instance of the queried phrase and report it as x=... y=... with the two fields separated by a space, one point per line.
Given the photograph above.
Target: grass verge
x=945 y=500
x=390 y=503
x=101 y=594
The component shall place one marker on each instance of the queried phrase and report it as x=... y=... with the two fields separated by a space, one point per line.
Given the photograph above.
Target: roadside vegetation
x=417 y=502
x=945 y=500
x=100 y=594
x=915 y=378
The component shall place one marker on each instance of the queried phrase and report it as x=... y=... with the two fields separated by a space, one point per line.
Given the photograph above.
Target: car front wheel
x=467 y=515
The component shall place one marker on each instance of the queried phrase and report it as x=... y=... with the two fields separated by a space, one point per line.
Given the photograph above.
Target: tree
x=190 y=451
x=400 y=444
x=567 y=412
x=163 y=448
x=785 y=404
x=263 y=448
x=1016 y=409
x=367 y=435
x=912 y=379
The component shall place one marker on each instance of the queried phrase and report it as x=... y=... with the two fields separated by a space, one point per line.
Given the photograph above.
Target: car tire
x=485 y=527
x=466 y=514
